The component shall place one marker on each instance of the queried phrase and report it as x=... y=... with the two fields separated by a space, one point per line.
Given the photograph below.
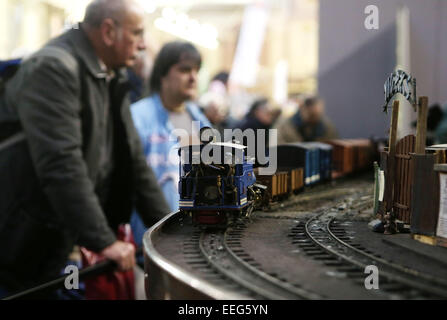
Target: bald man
x=71 y=164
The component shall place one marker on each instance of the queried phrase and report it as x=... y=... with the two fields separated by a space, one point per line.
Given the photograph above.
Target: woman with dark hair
x=172 y=54
x=168 y=118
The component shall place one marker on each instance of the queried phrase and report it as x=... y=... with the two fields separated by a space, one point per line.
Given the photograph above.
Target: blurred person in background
x=80 y=169
x=436 y=124
x=138 y=76
x=219 y=84
x=309 y=123
x=173 y=87
x=261 y=116
x=139 y=73
x=216 y=110
x=236 y=97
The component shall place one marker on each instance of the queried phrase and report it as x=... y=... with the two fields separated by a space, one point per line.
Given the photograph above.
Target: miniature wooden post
x=376 y=188
x=425 y=186
x=393 y=128
x=421 y=130
x=389 y=190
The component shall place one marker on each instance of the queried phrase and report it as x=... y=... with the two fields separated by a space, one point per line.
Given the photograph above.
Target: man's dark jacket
x=48 y=182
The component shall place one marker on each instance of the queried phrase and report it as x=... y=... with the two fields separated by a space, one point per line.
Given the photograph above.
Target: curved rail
x=164 y=278
x=286 y=287
x=389 y=264
x=225 y=261
x=324 y=235
x=169 y=273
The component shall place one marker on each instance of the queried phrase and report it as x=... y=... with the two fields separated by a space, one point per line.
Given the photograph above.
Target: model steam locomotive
x=217 y=183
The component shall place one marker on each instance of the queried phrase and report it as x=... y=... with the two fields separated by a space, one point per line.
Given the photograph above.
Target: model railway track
x=167 y=280
x=309 y=196
x=220 y=264
x=224 y=254
x=335 y=233
x=324 y=238
x=222 y=269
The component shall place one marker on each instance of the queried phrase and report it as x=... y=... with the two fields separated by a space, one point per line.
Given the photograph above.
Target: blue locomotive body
x=216 y=181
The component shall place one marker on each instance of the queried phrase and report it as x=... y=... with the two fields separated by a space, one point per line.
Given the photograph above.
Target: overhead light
x=169 y=14
x=148 y=6
x=182 y=26
x=75 y=10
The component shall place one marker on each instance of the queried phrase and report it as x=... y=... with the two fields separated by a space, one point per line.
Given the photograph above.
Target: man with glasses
x=80 y=168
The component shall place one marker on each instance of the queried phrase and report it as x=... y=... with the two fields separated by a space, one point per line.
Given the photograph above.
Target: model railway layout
x=250 y=235
x=315 y=252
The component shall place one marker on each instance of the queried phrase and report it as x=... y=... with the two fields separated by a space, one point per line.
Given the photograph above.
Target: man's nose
x=141 y=45
x=193 y=75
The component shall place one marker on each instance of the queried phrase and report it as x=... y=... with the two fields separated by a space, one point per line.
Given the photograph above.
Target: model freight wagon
x=301 y=155
x=325 y=157
x=343 y=157
x=277 y=185
x=295 y=180
x=351 y=155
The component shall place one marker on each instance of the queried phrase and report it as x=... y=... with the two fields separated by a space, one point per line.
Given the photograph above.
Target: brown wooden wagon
x=296 y=180
x=342 y=157
x=278 y=184
x=351 y=155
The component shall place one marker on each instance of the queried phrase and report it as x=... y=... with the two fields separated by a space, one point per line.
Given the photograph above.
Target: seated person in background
x=173 y=85
x=436 y=125
x=308 y=124
x=219 y=84
x=441 y=128
x=260 y=117
x=215 y=108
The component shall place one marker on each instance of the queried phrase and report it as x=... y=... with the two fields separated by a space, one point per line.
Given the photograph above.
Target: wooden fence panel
x=403 y=178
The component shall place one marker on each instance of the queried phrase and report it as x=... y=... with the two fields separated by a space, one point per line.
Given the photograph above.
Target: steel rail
x=231 y=266
x=281 y=285
x=400 y=268
x=179 y=273
x=390 y=276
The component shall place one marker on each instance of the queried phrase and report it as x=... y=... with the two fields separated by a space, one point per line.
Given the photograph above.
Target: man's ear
x=108 y=32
